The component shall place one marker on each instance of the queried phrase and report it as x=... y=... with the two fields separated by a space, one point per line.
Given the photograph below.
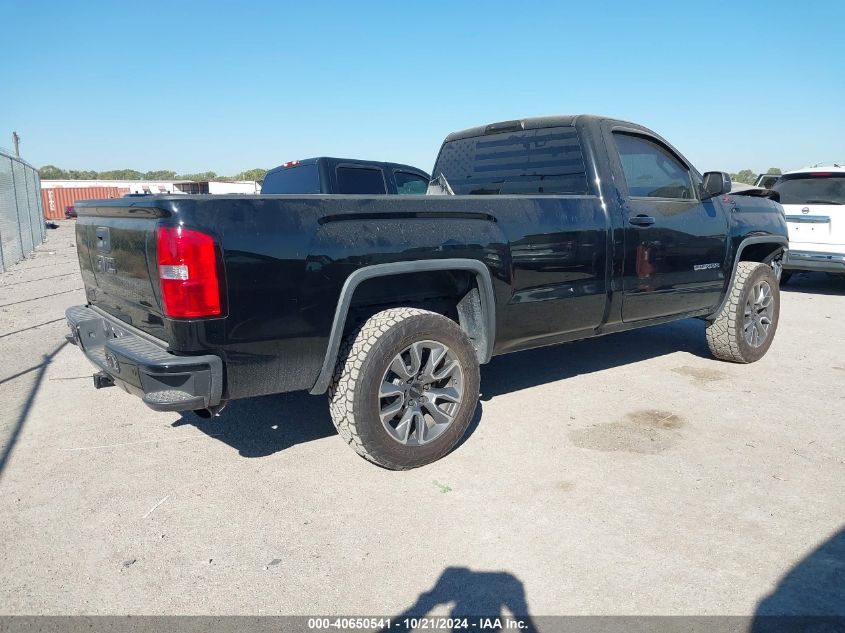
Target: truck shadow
x=513 y=372
x=258 y=427
x=815 y=283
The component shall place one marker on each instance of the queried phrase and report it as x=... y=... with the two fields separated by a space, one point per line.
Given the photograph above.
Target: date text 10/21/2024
x=418 y=623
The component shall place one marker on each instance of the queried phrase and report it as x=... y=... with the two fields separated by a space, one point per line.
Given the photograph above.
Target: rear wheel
x=743 y=330
x=405 y=388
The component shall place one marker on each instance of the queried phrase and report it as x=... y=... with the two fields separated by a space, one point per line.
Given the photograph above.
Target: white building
x=160 y=186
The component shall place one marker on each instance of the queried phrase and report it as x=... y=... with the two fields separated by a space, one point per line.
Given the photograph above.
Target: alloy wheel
x=759 y=314
x=420 y=393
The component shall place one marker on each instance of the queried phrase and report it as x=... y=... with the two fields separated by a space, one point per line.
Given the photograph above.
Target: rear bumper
x=142 y=366
x=815 y=261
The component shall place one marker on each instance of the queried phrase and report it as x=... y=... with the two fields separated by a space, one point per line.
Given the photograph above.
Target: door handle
x=641 y=220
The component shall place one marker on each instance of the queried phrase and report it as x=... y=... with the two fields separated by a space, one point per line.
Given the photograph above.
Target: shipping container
x=57 y=199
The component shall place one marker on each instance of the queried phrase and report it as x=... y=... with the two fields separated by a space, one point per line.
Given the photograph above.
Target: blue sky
x=229 y=86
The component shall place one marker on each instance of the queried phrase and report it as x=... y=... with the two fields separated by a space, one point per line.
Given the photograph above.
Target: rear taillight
x=187 y=269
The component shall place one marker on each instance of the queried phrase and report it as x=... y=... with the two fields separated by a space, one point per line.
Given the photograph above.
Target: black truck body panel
x=554 y=267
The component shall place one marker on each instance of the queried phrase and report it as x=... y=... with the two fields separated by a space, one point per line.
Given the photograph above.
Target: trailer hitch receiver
x=103 y=380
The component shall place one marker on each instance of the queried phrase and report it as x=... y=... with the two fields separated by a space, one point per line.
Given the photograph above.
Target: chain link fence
x=21 y=215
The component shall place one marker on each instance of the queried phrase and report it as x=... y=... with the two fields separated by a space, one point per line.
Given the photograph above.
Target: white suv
x=814 y=201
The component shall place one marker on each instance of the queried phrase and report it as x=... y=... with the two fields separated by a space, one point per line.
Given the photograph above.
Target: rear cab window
x=651 y=170
x=294 y=179
x=410 y=184
x=812 y=188
x=545 y=161
x=360 y=180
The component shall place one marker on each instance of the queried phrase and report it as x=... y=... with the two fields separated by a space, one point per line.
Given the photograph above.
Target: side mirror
x=716 y=183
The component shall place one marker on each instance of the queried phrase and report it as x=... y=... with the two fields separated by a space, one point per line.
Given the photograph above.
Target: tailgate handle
x=103 y=239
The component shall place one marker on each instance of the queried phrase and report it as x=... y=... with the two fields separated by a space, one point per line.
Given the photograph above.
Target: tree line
x=749 y=177
x=51 y=172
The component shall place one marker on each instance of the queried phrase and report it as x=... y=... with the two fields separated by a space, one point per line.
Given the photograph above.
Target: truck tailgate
x=117 y=257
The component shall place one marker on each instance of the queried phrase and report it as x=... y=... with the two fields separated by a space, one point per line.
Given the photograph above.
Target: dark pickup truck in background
x=559 y=228
x=344 y=175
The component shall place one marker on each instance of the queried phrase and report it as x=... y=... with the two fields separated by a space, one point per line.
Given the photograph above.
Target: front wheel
x=743 y=330
x=405 y=388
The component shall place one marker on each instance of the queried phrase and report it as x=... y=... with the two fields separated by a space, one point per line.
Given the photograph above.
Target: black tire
x=366 y=355
x=726 y=334
x=785 y=276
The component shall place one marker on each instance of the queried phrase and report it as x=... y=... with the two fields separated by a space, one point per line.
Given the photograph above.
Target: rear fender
x=484 y=284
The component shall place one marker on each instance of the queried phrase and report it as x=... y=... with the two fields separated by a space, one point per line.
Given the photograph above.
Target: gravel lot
x=630 y=474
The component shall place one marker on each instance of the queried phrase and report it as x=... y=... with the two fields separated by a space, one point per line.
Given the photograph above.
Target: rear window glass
x=531 y=162
x=299 y=179
x=818 y=188
x=408 y=184
x=360 y=180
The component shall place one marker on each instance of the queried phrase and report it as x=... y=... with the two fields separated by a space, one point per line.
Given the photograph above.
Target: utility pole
x=16 y=141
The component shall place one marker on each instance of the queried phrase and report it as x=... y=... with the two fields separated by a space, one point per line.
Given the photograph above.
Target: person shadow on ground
x=475 y=594
x=810 y=598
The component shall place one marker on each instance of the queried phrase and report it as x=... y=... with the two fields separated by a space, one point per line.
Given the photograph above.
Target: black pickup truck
x=550 y=230
x=344 y=175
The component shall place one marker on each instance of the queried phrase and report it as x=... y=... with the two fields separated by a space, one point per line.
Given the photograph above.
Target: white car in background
x=813 y=199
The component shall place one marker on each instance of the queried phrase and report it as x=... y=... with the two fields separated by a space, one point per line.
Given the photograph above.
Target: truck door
x=675 y=244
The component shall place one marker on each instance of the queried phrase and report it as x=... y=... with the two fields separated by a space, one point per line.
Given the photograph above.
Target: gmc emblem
x=106 y=264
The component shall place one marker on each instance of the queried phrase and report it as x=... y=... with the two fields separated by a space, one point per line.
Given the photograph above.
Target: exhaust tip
x=210 y=412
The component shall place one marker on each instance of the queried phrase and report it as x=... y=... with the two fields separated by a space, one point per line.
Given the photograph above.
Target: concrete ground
x=630 y=474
